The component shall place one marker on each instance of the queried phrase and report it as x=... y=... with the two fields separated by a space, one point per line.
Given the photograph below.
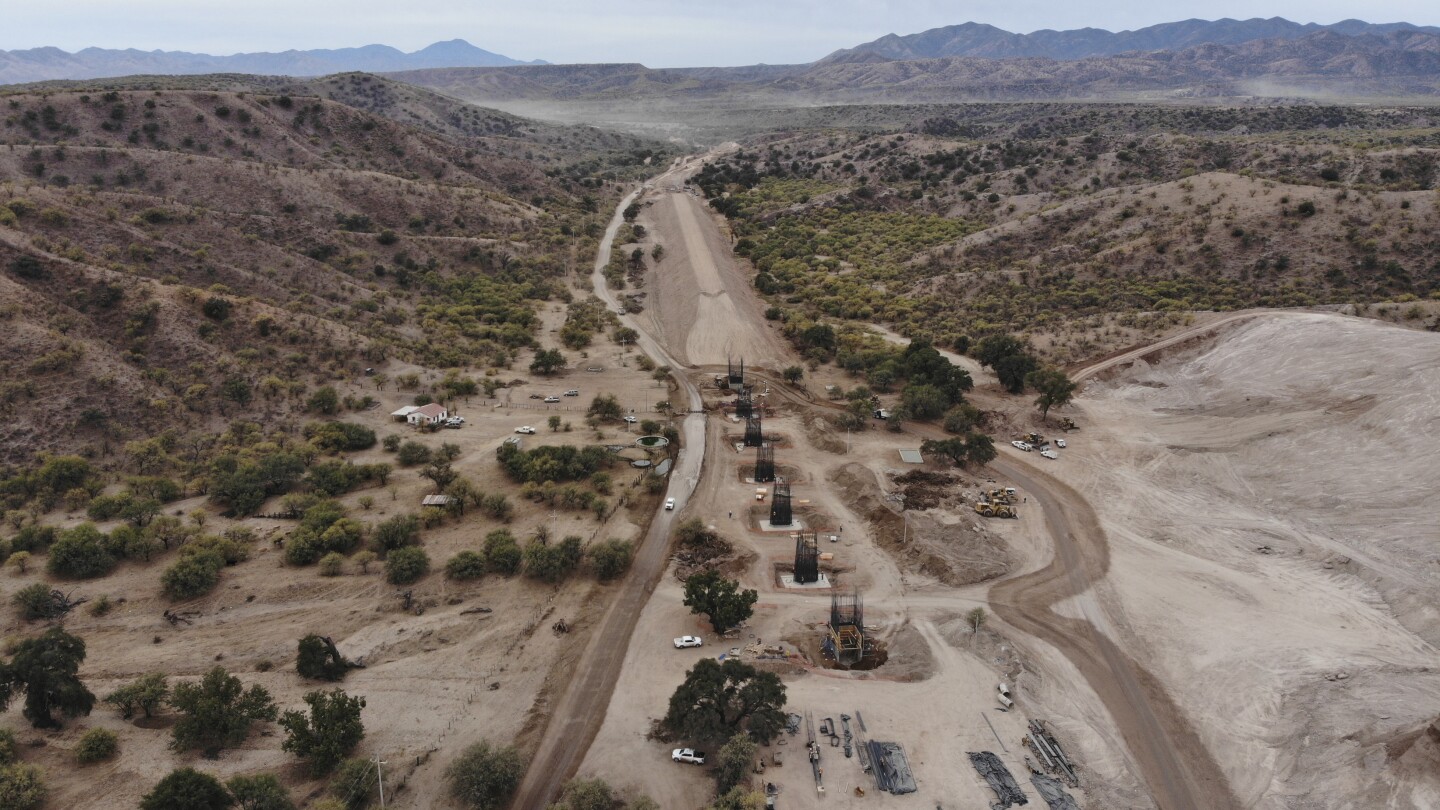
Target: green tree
x=145 y=694
x=317 y=658
x=404 y=566
x=604 y=406
x=396 y=532
x=793 y=374
x=412 y=453
x=324 y=401
x=735 y=761
x=976 y=619
x=21 y=787
x=993 y=348
x=739 y=798
x=547 y=362
x=554 y=423
x=1055 y=387
x=502 y=553
x=95 y=745
x=719 y=598
x=1012 y=371
x=979 y=449
x=610 y=558
x=192 y=575
x=217 y=712
x=187 y=789
x=355 y=783
x=328 y=733
x=80 y=554
x=923 y=401
x=45 y=668
x=466 y=565
x=260 y=792
x=718 y=700
x=483 y=776
x=962 y=418
x=552 y=563
x=585 y=794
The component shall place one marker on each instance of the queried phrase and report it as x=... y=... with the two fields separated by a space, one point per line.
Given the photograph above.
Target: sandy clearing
x=1284 y=435
x=701 y=303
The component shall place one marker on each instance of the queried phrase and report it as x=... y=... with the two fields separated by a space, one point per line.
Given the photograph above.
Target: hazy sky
x=660 y=33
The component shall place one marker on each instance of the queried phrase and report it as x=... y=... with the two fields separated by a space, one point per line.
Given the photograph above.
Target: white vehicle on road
x=689 y=755
x=1049 y=454
x=552 y=398
x=631 y=419
x=526 y=430
x=670 y=504
x=1019 y=445
x=1060 y=443
x=687 y=641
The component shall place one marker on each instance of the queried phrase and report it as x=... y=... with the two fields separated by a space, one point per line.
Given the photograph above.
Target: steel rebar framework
x=754 y=431
x=807 y=558
x=736 y=375
x=764 y=464
x=847 y=626
x=780 y=505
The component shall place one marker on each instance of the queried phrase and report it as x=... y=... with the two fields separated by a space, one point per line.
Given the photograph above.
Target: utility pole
x=380 y=779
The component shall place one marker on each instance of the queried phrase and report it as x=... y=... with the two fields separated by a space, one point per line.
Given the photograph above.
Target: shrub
x=8 y=750
x=340 y=437
x=216 y=308
x=33 y=538
x=317 y=660
x=396 y=532
x=79 y=554
x=324 y=400
x=330 y=731
x=412 y=453
x=364 y=559
x=502 y=553
x=354 y=784
x=95 y=745
x=404 y=566
x=192 y=575
x=483 y=777
x=466 y=565
x=332 y=564
x=259 y=792
x=187 y=789
x=37 y=601
x=611 y=558
x=21 y=787
x=217 y=712
x=145 y=694
x=552 y=563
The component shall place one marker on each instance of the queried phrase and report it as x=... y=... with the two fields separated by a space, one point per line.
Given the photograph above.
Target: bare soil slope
x=1268 y=504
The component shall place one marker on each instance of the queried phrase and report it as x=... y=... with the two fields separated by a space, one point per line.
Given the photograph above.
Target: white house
x=431 y=414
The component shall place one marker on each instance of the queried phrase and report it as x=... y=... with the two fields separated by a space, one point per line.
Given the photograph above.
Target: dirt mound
x=956 y=555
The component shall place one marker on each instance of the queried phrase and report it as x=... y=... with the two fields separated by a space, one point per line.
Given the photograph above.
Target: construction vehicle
x=1067 y=424
x=1033 y=438
x=990 y=506
x=1005 y=496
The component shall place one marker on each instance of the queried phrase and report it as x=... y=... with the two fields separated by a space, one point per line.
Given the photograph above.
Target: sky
x=658 y=33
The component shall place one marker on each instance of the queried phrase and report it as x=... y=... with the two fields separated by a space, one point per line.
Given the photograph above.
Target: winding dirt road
x=1172 y=761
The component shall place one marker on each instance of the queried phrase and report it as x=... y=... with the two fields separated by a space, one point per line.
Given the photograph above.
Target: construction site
x=985 y=588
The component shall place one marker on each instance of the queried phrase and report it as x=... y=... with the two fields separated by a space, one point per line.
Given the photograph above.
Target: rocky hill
x=989 y=42
x=171 y=260
x=42 y=64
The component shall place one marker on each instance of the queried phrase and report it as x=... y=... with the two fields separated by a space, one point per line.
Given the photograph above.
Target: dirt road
x=1176 y=767
x=578 y=713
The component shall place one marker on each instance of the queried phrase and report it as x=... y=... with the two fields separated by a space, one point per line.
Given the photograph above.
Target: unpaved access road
x=577 y=715
x=1178 y=770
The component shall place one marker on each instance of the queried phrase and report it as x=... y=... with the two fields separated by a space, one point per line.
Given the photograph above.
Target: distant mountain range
x=989 y=42
x=1403 y=63
x=44 y=64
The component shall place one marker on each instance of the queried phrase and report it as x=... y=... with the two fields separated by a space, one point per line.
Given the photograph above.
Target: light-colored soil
x=701 y=304
x=1268 y=501
x=429 y=677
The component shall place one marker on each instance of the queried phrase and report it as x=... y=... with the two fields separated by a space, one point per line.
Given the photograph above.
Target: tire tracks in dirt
x=1174 y=764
